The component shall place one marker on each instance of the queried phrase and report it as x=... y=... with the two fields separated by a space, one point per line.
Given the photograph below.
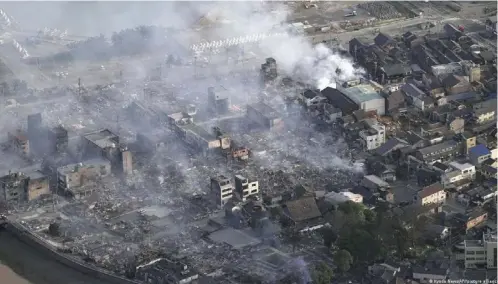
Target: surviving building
x=246 y=188
x=218 y=100
x=482 y=252
x=438 y=152
x=339 y=100
x=265 y=116
x=105 y=144
x=373 y=136
x=432 y=194
x=75 y=177
x=22 y=186
x=366 y=96
x=222 y=189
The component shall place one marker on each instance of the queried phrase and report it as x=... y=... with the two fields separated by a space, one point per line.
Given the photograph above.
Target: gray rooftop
x=264 y=110
x=361 y=93
x=444 y=146
x=64 y=170
x=235 y=238
x=199 y=131
x=102 y=138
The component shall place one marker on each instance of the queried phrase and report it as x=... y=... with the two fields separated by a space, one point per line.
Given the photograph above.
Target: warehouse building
x=339 y=100
x=265 y=116
x=365 y=95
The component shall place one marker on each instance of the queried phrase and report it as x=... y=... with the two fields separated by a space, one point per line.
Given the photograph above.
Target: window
x=471 y=252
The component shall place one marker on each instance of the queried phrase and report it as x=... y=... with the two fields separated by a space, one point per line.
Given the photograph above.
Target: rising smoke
x=296 y=57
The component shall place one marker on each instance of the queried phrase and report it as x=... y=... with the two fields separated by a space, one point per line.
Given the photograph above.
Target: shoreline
x=8 y=275
x=44 y=249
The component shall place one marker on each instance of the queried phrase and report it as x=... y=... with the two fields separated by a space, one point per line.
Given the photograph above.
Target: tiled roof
x=303 y=209
x=430 y=190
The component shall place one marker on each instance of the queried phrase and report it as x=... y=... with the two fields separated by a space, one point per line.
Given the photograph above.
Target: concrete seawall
x=38 y=243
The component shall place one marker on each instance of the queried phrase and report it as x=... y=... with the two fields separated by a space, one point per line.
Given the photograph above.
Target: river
x=21 y=264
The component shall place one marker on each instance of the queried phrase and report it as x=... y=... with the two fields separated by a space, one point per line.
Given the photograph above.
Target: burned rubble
x=269 y=177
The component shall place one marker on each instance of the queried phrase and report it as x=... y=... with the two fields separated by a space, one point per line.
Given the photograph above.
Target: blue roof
x=479 y=150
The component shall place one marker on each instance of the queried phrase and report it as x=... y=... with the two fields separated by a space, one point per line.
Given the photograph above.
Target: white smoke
x=295 y=54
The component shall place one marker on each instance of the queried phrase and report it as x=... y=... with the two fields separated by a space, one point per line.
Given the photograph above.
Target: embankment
x=42 y=246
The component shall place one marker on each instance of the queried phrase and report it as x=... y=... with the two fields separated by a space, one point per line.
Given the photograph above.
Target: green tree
x=362 y=245
x=353 y=212
x=294 y=238
x=370 y=216
x=343 y=260
x=350 y=207
x=322 y=274
x=328 y=235
x=418 y=226
x=401 y=238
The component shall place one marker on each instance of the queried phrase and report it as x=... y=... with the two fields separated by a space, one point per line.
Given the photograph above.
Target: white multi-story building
x=450 y=178
x=482 y=252
x=373 y=136
x=468 y=171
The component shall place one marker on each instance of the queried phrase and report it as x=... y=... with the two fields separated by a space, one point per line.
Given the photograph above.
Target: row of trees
x=364 y=236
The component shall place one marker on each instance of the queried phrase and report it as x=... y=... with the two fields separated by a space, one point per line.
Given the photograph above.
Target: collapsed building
x=19 y=141
x=269 y=70
x=163 y=270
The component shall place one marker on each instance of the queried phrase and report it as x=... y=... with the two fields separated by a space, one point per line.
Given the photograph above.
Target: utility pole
x=118 y=125
x=79 y=87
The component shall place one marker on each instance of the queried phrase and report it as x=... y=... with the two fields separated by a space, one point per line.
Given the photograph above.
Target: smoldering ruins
x=183 y=161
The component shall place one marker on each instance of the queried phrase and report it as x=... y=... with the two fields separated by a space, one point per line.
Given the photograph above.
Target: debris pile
x=381 y=10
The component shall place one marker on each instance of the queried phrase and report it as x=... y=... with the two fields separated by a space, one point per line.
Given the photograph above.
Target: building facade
x=432 y=194
x=373 y=137
x=246 y=188
x=482 y=252
x=222 y=189
x=74 y=177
